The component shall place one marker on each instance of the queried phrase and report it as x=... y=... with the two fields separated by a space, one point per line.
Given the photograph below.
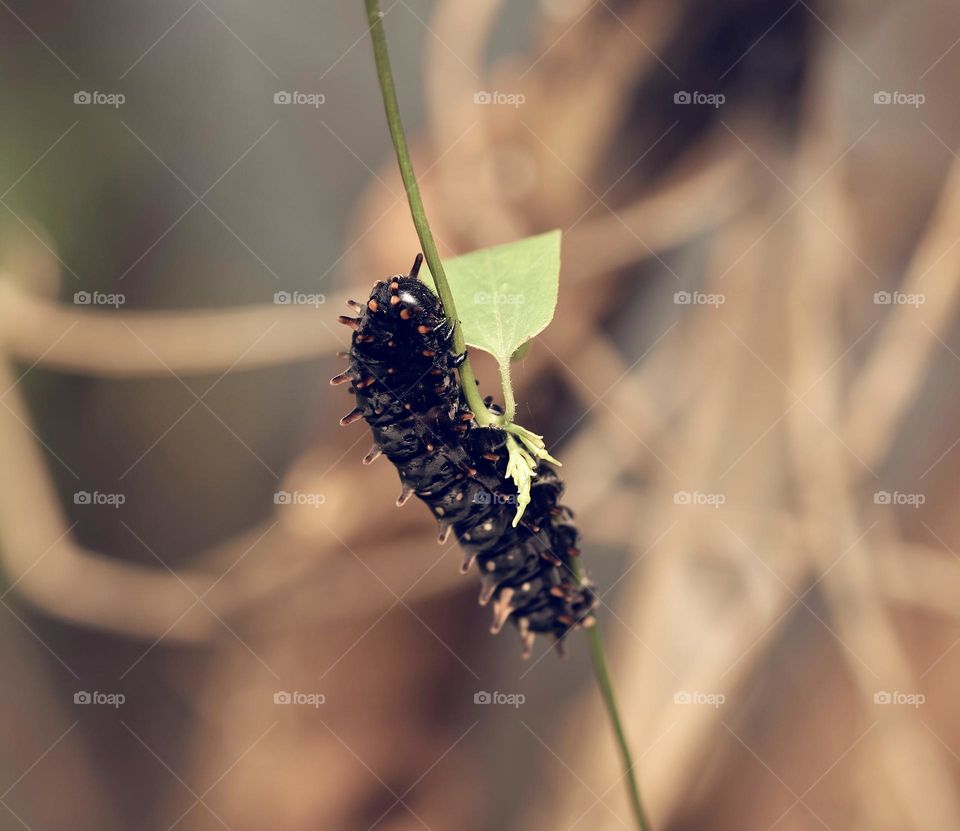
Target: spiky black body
x=403 y=375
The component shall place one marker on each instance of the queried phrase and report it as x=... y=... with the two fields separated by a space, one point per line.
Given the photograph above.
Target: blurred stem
x=602 y=673
x=468 y=380
x=390 y=104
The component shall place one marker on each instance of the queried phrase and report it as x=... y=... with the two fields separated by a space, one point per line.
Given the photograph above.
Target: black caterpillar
x=402 y=374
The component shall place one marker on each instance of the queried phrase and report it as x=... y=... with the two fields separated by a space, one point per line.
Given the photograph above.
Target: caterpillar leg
x=502 y=609
x=354 y=415
x=526 y=638
x=405 y=493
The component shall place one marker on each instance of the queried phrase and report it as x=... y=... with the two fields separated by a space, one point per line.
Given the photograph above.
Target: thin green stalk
x=417 y=211
x=604 y=682
x=467 y=378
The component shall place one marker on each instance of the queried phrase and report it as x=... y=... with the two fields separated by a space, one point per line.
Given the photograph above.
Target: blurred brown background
x=212 y=614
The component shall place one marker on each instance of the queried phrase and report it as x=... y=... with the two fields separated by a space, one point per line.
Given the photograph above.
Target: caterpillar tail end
x=415 y=268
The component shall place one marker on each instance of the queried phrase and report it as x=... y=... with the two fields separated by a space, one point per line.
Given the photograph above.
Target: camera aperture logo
x=99 y=99
x=495 y=97
x=114 y=700
x=114 y=500
x=701 y=99
x=99 y=298
x=901 y=99
x=714 y=700
x=300 y=99
x=314 y=500
x=896 y=697
x=312 y=699
x=299 y=298
x=512 y=699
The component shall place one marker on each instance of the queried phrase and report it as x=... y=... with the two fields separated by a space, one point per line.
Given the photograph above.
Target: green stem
x=392 y=107
x=467 y=378
x=604 y=682
x=509 y=403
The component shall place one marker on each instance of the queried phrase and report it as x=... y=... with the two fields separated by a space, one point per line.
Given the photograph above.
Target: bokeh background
x=751 y=381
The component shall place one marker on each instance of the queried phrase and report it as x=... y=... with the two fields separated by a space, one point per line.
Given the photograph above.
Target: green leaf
x=506 y=294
